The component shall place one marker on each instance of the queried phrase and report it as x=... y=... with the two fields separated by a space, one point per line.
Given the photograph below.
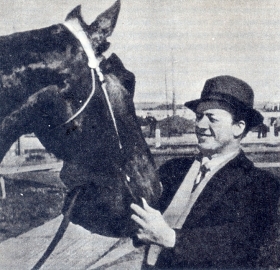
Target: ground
x=34 y=198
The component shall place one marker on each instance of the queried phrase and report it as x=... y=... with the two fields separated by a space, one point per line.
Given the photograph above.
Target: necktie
x=203 y=170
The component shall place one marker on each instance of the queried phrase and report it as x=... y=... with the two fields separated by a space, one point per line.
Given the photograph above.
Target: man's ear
x=238 y=128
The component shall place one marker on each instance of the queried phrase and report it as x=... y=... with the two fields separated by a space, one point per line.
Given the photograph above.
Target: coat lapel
x=231 y=173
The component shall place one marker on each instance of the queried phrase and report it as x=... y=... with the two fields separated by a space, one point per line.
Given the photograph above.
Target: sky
x=176 y=44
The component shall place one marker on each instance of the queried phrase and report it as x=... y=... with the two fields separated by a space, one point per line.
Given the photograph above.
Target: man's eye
x=199 y=116
x=212 y=120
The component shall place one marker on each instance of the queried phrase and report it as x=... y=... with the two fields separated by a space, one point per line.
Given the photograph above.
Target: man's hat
x=224 y=91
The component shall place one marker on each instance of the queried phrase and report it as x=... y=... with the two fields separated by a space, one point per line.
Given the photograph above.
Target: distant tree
x=175 y=126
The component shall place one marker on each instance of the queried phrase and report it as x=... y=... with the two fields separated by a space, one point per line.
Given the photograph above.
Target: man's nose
x=202 y=123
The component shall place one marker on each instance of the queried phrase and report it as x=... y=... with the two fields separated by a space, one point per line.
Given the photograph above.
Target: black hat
x=232 y=92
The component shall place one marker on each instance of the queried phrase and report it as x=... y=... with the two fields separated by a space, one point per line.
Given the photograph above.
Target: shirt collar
x=218 y=160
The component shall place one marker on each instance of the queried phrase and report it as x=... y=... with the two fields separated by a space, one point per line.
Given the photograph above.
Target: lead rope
x=59 y=234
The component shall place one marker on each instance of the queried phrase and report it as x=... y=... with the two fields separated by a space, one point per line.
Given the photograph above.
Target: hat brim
x=253 y=117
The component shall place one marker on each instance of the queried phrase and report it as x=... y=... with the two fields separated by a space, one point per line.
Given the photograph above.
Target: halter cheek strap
x=75 y=28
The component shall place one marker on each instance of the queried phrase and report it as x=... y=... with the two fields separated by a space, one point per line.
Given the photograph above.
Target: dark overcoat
x=229 y=221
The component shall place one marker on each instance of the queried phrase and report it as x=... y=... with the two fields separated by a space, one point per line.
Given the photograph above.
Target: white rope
x=111 y=112
x=87 y=101
x=76 y=29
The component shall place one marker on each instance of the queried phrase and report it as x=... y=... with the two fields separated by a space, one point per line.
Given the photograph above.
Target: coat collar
x=231 y=173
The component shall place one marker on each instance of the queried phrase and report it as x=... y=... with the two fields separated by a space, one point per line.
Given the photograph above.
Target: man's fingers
x=146 y=206
x=142 y=236
x=138 y=210
x=149 y=209
x=138 y=220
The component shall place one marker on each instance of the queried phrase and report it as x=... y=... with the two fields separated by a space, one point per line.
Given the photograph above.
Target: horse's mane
x=115 y=66
x=23 y=48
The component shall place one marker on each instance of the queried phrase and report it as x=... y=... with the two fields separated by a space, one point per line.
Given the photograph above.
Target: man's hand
x=153 y=228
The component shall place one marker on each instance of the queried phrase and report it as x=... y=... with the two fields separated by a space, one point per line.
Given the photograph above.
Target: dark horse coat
x=229 y=221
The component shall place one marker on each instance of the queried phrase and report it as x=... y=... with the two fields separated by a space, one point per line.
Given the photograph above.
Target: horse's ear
x=106 y=21
x=76 y=14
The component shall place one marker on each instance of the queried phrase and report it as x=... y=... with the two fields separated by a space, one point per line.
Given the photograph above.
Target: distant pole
x=166 y=94
x=174 y=103
x=173 y=86
x=167 y=116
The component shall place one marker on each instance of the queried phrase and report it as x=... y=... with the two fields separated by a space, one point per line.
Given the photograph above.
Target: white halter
x=73 y=25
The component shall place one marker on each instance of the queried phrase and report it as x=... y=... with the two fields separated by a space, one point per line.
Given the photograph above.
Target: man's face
x=214 y=130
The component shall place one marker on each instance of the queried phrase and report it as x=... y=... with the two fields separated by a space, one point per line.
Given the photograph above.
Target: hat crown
x=228 y=87
x=227 y=92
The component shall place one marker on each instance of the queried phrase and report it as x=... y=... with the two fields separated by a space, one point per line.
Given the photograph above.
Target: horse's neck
x=30 y=61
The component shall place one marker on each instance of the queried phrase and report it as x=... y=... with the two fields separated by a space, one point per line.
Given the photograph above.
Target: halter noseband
x=75 y=28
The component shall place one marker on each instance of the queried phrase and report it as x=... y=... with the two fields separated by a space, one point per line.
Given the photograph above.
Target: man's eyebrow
x=209 y=114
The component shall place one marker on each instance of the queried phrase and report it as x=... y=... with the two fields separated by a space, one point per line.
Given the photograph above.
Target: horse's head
x=44 y=81
x=36 y=59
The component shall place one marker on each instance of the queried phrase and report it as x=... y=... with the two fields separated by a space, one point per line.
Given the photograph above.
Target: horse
x=56 y=83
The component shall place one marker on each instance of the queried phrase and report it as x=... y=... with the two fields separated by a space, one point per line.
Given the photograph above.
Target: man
x=152 y=121
x=218 y=209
